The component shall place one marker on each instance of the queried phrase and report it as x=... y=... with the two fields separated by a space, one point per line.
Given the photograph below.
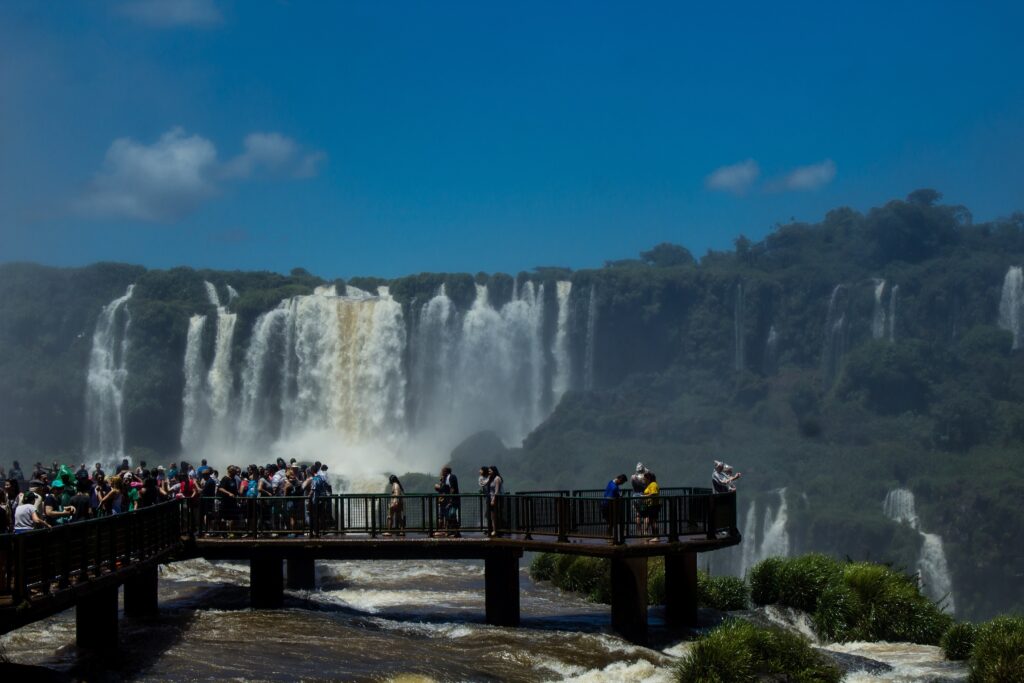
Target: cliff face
x=840 y=360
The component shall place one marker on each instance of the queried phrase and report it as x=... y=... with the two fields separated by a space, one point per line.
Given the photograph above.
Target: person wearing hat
x=53 y=512
x=721 y=480
x=637 y=481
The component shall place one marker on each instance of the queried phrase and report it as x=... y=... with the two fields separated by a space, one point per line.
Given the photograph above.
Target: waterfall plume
x=932 y=567
x=105 y=379
x=1011 y=315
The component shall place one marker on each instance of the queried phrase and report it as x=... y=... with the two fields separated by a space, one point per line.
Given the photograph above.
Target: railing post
x=673 y=518
x=562 y=507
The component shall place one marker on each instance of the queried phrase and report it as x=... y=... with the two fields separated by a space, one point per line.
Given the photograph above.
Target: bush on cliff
x=739 y=652
x=998 y=655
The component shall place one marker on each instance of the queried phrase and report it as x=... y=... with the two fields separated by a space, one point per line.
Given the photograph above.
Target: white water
x=773 y=539
x=560 y=349
x=232 y=293
x=193 y=400
x=588 y=350
x=835 y=333
x=1011 y=315
x=346 y=379
x=893 y=301
x=771 y=350
x=932 y=567
x=738 y=329
x=878 y=319
x=104 y=393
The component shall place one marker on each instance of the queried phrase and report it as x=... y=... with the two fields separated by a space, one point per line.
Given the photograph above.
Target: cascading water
x=232 y=293
x=893 y=300
x=771 y=351
x=835 y=333
x=104 y=393
x=560 y=349
x=588 y=349
x=932 y=567
x=220 y=379
x=1011 y=315
x=878 y=320
x=738 y=333
x=773 y=540
x=345 y=377
x=193 y=428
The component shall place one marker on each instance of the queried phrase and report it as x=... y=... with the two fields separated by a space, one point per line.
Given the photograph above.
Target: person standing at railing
x=227 y=495
x=483 y=480
x=25 y=516
x=721 y=480
x=495 y=489
x=396 y=507
x=612 y=493
x=53 y=511
x=652 y=507
x=454 y=511
x=80 y=502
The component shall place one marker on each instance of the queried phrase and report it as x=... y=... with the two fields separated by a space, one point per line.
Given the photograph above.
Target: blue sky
x=394 y=138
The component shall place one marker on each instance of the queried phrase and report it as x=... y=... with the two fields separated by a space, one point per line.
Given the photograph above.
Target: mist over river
x=385 y=621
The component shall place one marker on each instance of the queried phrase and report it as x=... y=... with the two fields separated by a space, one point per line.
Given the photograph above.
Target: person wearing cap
x=53 y=512
x=638 y=480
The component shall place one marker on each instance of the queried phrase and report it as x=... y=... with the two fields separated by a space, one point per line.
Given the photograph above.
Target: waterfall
x=220 y=379
x=104 y=393
x=211 y=293
x=560 y=348
x=1011 y=317
x=588 y=349
x=893 y=300
x=932 y=567
x=835 y=333
x=737 y=323
x=232 y=293
x=194 y=399
x=773 y=540
x=771 y=351
x=878 y=319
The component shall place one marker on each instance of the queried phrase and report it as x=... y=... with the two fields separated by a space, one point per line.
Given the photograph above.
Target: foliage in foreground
x=739 y=652
x=958 y=641
x=591 y=577
x=852 y=601
x=998 y=655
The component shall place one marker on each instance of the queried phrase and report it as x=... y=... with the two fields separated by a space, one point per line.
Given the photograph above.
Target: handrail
x=44 y=562
x=527 y=515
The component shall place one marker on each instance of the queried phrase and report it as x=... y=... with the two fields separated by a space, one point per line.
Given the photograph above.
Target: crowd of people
x=61 y=495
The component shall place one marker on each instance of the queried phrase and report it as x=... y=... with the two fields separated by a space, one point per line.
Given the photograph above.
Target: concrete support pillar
x=140 y=594
x=681 y=589
x=501 y=588
x=96 y=620
x=266 y=582
x=629 y=598
x=301 y=573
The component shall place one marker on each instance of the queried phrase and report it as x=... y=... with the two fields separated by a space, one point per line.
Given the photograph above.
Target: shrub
x=958 y=641
x=838 y=613
x=542 y=568
x=656 y=581
x=903 y=614
x=998 y=655
x=803 y=579
x=739 y=652
x=722 y=592
x=764 y=581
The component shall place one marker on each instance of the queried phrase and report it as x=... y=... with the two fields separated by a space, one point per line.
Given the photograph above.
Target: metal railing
x=46 y=561
x=565 y=517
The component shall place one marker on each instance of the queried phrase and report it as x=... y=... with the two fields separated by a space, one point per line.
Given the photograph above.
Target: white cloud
x=805 y=178
x=173 y=13
x=737 y=178
x=172 y=177
x=159 y=182
x=273 y=153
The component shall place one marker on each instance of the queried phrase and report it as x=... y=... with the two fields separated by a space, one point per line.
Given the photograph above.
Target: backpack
x=252 y=490
x=319 y=486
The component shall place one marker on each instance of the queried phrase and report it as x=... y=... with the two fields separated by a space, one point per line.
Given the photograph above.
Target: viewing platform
x=83 y=564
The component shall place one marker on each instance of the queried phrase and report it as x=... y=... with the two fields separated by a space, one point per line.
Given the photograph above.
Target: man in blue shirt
x=611 y=493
